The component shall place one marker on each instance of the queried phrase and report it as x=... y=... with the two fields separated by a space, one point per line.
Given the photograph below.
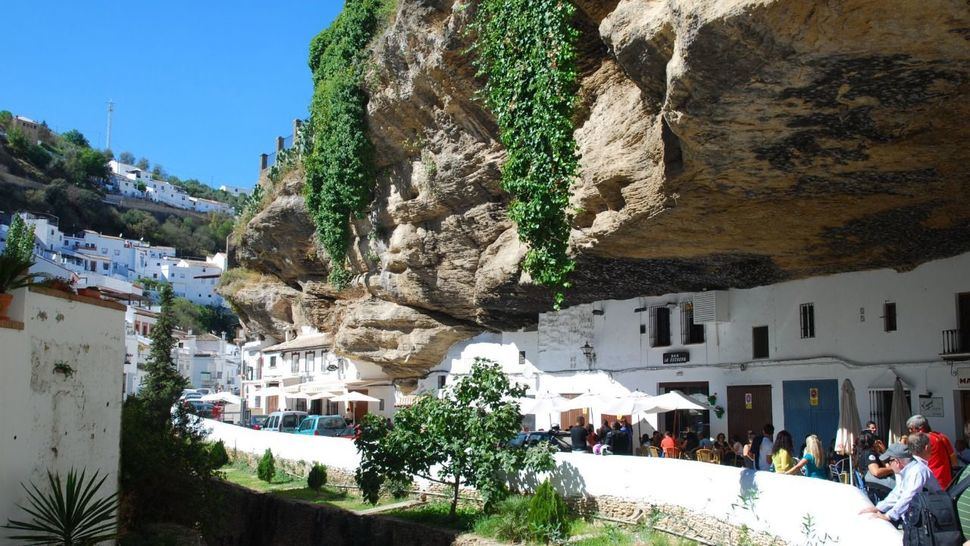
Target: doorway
x=748 y=408
x=964 y=418
x=963 y=322
x=272 y=403
x=811 y=407
x=360 y=408
x=678 y=421
x=568 y=418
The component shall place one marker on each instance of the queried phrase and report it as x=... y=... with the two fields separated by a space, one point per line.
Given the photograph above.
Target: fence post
x=280 y=144
x=297 y=123
x=263 y=161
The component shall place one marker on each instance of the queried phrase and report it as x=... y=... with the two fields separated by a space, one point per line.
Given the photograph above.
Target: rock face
x=724 y=144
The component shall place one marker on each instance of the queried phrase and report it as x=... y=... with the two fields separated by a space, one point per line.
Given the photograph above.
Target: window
x=441 y=381
x=889 y=316
x=759 y=342
x=807 y=320
x=643 y=329
x=272 y=362
x=660 y=320
x=295 y=363
x=690 y=332
x=310 y=364
x=218 y=375
x=117 y=253
x=257 y=402
x=381 y=406
x=104 y=266
x=521 y=357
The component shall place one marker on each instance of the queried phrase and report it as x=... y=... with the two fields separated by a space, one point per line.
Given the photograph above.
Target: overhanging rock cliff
x=724 y=144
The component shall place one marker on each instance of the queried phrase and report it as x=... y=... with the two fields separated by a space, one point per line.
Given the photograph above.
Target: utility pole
x=111 y=108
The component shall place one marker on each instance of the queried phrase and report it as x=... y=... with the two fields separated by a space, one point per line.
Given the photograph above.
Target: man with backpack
x=912 y=476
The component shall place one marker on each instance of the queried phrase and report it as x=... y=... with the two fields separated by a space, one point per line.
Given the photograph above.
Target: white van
x=284 y=421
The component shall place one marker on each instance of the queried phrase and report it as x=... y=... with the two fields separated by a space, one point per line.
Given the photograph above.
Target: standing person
x=871 y=427
x=349 y=416
x=761 y=447
x=781 y=452
x=591 y=438
x=942 y=457
x=604 y=430
x=813 y=459
x=912 y=475
x=578 y=434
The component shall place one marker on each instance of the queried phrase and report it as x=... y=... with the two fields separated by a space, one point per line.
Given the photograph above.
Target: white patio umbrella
x=224 y=396
x=672 y=401
x=631 y=404
x=849 y=426
x=585 y=401
x=354 y=396
x=898 y=414
x=320 y=395
x=542 y=404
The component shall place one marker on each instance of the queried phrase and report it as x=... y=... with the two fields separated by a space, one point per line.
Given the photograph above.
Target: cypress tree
x=164 y=384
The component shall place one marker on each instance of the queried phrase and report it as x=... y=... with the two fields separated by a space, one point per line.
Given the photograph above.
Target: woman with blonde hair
x=813 y=459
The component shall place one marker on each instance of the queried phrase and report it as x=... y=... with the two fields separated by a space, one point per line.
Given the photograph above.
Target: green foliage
x=203 y=318
x=14 y=273
x=6 y=116
x=68 y=513
x=458 y=434
x=399 y=488
x=140 y=186
x=338 y=162
x=510 y=522
x=83 y=164
x=142 y=163
x=526 y=50
x=267 y=466
x=127 y=158
x=163 y=384
x=20 y=239
x=548 y=515
x=22 y=147
x=76 y=138
x=317 y=477
x=218 y=457
x=166 y=469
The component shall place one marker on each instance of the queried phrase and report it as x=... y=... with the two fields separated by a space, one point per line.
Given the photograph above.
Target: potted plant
x=14 y=274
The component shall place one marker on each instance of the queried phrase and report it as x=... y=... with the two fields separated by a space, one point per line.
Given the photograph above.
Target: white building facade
x=777 y=353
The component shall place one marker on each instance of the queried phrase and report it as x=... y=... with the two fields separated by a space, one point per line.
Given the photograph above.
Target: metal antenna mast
x=111 y=108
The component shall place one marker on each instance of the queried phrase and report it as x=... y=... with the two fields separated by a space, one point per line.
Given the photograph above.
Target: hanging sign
x=677 y=357
x=963 y=378
x=813 y=396
x=748 y=402
x=931 y=406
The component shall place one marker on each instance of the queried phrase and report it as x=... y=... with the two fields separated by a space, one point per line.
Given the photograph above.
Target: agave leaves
x=14 y=273
x=68 y=513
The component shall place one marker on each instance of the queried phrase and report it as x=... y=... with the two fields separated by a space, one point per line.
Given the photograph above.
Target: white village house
x=134 y=182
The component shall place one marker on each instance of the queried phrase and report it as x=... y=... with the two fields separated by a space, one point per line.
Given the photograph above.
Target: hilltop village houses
x=771 y=354
x=130 y=181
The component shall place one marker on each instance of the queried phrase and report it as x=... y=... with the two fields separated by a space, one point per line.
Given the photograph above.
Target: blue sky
x=200 y=87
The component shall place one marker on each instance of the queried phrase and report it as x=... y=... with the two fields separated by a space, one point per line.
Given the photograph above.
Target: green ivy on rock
x=338 y=161
x=526 y=51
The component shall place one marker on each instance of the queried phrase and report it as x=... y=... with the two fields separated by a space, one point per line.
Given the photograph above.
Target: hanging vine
x=526 y=51
x=338 y=162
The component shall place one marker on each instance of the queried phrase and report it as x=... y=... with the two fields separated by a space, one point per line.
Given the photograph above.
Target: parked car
x=256 y=422
x=325 y=425
x=203 y=392
x=190 y=394
x=528 y=439
x=202 y=409
x=284 y=421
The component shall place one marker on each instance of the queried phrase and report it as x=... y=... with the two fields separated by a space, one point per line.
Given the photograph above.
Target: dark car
x=325 y=425
x=256 y=422
x=202 y=409
x=528 y=439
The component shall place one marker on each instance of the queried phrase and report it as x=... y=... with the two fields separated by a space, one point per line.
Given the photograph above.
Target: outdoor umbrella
x=849 y=427
x=224 y=396
x=585 y=401
x=631 y=404
x=320 y=395
x=898 y=414
x=543 y=404
x=672 y=401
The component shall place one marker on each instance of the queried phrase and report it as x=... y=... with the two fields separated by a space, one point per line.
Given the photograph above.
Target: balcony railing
x=955 y=342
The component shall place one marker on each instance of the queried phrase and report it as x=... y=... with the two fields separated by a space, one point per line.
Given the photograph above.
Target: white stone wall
x=52 y=421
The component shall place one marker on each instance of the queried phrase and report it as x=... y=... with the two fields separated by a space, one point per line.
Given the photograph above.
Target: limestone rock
x=724 y=143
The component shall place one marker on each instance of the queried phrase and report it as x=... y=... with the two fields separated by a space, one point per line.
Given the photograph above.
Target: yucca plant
x=14 y=273
x=68 y=513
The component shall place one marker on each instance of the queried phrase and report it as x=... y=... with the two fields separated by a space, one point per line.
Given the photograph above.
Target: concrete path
x=389 y=507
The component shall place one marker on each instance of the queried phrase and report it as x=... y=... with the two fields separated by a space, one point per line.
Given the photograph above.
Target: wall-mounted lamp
x=671 y=305
x=639 y=309
x=589 y=353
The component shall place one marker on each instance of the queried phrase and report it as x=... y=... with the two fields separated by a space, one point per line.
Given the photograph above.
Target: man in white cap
x=912 y=475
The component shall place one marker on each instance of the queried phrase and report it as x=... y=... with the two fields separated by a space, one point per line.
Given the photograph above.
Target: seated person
x=690 y=441
x=874 y=471
x=668 y=441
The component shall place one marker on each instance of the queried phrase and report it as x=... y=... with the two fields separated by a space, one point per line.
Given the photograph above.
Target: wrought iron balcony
x=956 y=345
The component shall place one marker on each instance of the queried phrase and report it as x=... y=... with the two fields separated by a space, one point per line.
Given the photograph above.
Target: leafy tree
x=5 y=117
x=203 y=318
x=20 y=240
x=127 y=158
x=317 y=477
x=158 y=172
x=142 y=163
x=217 y=455
x=108 y=154
x=76 y=138
x=267 y=466
x=163 y=384
x=140 y=186
x=461 y=434
x=22 y=147
x=84 y=164
x=548 y=515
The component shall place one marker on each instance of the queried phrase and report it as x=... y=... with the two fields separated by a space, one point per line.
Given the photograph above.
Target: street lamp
x=589 y=354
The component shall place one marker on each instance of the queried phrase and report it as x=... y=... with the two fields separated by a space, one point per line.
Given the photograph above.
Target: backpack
x=932 y=518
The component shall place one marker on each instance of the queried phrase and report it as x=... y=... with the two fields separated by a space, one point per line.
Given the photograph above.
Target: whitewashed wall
x=777 y=505
x=52 y=421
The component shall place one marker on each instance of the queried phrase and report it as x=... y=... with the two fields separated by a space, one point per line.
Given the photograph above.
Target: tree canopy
x=163 y=384
x=461 y=434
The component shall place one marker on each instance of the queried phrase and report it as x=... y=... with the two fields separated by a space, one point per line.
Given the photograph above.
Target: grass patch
x=437 y=514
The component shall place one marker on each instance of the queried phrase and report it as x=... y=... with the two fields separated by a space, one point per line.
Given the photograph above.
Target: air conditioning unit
x=711 y=306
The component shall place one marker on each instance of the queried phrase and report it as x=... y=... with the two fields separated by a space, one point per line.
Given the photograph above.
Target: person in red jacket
x=942 y=457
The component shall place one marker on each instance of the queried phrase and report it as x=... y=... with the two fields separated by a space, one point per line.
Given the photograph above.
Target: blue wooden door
x=811 y=407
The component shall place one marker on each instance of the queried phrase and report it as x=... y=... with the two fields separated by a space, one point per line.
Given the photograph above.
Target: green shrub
x=398 y=488
x=317 y=477
x=218 y=457
x=510 y=522
x=548 y=516
x=267 y=467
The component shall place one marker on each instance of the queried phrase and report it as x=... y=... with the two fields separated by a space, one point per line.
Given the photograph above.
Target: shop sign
x=963 y=378
x=748 y=402
x=813 y=396
x=677 y=357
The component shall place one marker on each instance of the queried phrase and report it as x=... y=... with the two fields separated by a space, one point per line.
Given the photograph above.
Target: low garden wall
x=795 y=509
